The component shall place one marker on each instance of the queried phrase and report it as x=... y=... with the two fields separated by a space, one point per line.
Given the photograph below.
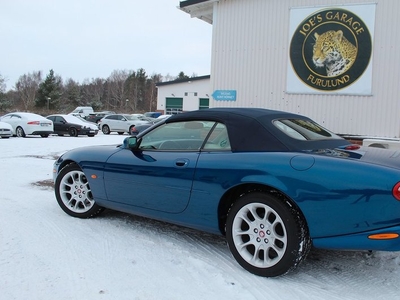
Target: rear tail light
x=396 y=191
x=352 y=147
x=34 y=123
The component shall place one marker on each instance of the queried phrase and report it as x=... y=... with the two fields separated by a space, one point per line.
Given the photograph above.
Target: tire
x=120 y=133
x=44 y=135
x=105 y=129
x=20 y=132
x=73 y=193
x=266 y=235
x=73 y=132
x=90 y=135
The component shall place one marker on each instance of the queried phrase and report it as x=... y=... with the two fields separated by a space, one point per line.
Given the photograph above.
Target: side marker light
x=383 y=236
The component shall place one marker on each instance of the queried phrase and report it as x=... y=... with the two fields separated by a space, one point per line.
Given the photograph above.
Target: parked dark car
x=135 y=130
x=152 y=114
x=97 y=116
x=273 y=183
x=69 y=124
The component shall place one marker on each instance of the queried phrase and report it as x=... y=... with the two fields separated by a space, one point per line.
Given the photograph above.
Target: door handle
x=182 y=162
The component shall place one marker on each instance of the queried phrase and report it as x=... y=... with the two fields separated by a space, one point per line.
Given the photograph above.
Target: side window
x=219 y=139
x=179 y=136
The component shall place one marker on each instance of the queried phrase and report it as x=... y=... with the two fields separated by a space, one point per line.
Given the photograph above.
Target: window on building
x=173 y=106
x=204 y=103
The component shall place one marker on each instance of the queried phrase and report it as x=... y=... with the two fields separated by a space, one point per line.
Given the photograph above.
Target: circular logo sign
x=330 y=49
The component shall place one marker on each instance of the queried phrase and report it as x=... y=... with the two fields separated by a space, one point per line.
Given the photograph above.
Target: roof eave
x=201 y=9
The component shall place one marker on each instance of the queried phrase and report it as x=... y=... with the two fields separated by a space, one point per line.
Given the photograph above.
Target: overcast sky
x=85 y=39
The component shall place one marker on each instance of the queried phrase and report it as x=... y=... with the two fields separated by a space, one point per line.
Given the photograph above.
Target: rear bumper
x=41 y=132
x=362 y=241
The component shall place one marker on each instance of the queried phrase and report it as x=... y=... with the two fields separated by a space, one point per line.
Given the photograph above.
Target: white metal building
x=262 y=56
x=183 y=95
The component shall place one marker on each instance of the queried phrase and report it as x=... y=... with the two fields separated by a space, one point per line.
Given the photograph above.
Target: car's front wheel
x=266 y=235
x=20 y=132
x=73 y=193
x=73 y=132
x=105 y=129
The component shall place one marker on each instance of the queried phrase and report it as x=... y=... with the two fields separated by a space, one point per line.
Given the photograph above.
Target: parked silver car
x=5 y=130
x=119 y=123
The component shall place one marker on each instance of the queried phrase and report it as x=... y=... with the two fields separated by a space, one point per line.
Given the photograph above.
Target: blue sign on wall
x=229 y=95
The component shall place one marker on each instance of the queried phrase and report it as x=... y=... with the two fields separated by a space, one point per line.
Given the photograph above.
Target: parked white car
x=82 y=111
x=119 y=123
x=5 y=130
x=23 y=124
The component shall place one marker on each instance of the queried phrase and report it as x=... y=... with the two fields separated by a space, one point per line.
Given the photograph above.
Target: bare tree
x=2 y=84
x=93 y=93
x=116 y=89
x=27 y=87
x=151 y=91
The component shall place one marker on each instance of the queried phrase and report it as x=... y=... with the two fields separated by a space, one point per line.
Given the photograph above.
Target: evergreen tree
x=50 y=91
x=182 y=75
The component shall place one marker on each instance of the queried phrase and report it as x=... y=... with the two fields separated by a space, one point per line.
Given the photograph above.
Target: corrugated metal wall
x=250 y=55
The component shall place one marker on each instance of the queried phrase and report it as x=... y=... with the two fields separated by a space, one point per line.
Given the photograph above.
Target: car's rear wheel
x=73 y=193
x=20 y=132
x=44 y=135
x=120 y=133
x=73 y=132
x=266 y=235
x=105 y=129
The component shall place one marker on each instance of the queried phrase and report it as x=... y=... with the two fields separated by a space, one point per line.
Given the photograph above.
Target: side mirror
x=131 y=143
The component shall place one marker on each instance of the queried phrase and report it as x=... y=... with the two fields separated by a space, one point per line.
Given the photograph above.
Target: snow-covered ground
x=46 y=254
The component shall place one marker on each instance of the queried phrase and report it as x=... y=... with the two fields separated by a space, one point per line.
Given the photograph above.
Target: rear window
x=305 y=130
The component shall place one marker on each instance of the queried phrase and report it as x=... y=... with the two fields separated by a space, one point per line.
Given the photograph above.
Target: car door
x=121 y=123
x=57 y=124
x=159 y=176
x=112 y=122
x=62 y=124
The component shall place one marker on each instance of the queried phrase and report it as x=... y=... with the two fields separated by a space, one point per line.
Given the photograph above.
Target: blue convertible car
x=273 y=183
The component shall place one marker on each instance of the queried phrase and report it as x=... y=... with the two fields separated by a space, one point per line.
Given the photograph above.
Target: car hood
x=90 y=153
x=377 y=156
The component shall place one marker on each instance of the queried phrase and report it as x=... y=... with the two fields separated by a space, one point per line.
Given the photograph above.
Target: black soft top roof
x=252 y=130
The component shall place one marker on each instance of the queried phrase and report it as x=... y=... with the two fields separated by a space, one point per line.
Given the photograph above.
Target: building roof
x=201 y=9
x=183 y=80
